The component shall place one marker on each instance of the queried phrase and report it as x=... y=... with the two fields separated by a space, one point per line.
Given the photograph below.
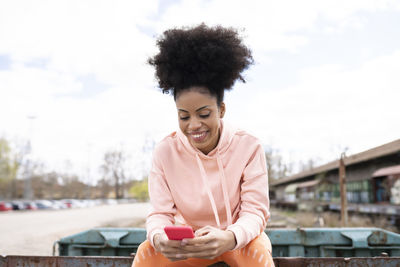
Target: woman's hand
x=172 y=249
x=209 y=243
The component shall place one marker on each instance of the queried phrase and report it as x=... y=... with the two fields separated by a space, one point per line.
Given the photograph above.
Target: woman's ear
x=222 y=110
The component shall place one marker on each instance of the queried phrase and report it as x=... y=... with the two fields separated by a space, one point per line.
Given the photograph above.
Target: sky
x=74 y=78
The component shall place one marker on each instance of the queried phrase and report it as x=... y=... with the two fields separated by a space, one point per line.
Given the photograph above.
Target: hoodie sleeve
x=163 y=208
x=254 y=207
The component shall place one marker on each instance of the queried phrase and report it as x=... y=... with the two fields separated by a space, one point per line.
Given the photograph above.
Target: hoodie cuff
x=246 y=229
x=150 y=236
x=239 y=235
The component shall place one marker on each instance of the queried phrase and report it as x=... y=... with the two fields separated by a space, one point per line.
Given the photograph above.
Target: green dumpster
x=102 y=242
x=301 y=242
x=333 y=242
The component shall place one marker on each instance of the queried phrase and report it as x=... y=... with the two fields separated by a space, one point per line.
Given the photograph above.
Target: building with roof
x=372 y=176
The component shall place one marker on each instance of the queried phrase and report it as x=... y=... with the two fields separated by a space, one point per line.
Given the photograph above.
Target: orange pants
x=256 y=253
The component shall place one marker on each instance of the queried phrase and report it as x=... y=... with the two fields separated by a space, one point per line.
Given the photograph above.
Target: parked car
x=16 y=205
x=44 y=204
x=5 y=206
x=68 y=203
x=58 y=204
x=30 y=205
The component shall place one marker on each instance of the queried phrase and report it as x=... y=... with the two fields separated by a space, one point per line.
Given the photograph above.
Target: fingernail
x=178 y=256
x=183 y=242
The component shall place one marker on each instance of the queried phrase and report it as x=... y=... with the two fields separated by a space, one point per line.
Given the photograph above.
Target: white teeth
x=197 y=135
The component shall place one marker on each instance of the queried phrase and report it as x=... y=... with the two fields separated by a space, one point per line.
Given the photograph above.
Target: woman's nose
x=194 y=124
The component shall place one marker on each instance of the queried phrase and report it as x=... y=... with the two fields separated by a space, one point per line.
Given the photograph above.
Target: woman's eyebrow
x=196 y=109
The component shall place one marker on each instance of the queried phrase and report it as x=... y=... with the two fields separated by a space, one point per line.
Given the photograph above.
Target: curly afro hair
x=210 y=57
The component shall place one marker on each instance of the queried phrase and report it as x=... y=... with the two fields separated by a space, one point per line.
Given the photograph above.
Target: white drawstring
x=224 y=190
x=210 y=196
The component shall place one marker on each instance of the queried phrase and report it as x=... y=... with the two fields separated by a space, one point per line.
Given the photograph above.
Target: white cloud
x=76 y=38
x=272 y=25
x=100 y=37
x=65 y=126
x=333 y=106
x=106 y=39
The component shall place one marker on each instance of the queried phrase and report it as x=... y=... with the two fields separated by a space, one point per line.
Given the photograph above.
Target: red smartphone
x=178 y=232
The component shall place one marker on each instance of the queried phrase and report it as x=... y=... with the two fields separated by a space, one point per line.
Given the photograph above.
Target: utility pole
x=28 y=194
x=343 y=191
x=88 y=177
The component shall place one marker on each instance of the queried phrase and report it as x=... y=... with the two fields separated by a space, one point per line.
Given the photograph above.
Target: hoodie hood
x=227 y=134
x=225 y=139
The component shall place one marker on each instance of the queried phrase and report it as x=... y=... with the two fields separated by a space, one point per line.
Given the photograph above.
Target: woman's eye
x=184 y=118
x=204 y=115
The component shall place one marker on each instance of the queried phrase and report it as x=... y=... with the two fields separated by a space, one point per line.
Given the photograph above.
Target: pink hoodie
x=228 y=188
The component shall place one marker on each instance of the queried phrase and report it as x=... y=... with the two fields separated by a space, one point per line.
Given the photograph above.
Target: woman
x=207 y=174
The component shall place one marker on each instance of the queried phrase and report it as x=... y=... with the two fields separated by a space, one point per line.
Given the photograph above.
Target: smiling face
x=199 y=117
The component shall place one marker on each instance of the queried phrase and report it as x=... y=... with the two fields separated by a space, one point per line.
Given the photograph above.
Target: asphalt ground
x=34 y=232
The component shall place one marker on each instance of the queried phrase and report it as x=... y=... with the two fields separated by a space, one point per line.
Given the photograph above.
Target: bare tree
x=113 y=169
x=72 y=187
x=103 y=188
x=276 y=167
x=308 y=165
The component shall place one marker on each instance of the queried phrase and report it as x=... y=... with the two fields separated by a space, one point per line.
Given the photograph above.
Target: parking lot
x=34 y=232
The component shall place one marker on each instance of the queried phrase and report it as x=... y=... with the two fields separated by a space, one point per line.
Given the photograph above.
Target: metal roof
x=392 y=170
x=372 y=153
x=308 y=184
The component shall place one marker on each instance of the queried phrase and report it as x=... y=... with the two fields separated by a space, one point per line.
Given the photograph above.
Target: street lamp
x=28 y=193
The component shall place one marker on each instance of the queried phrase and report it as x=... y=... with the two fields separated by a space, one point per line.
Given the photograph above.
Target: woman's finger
x=171 y=250
x=200 y=240
x=203 y=231
x=197 y=242
x=170 y=243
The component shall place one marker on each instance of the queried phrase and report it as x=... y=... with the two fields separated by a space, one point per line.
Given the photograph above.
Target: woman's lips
x=198 y=137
